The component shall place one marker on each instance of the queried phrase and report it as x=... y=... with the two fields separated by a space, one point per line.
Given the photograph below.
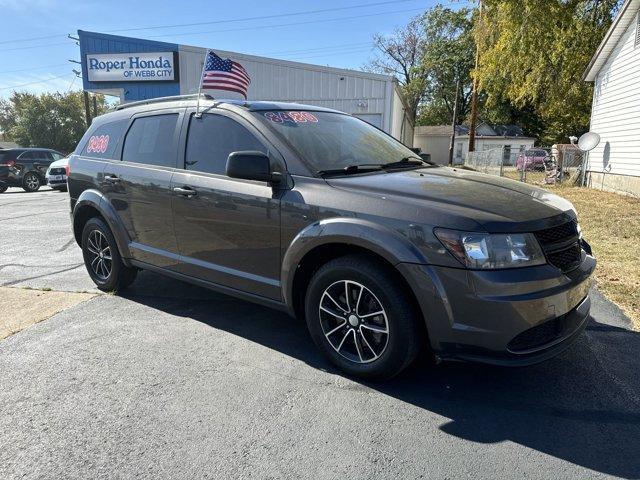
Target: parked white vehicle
x=57 y=174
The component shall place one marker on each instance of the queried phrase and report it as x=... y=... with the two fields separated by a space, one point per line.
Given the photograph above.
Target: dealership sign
x=132 y=67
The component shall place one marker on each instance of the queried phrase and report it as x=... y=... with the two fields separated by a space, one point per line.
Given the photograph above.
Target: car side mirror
x=251 y=165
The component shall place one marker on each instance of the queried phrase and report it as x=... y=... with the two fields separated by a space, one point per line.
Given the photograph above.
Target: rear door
x=139 y=186
x=228 y=230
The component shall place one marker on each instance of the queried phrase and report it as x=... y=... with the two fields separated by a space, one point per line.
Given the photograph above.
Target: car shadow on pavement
x=582 y=407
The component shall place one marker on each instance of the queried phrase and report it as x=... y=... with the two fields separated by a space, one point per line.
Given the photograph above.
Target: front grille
x=557 y=234
x=561 y=245
x=57 y=171
x=545 y=334
x=566 y=259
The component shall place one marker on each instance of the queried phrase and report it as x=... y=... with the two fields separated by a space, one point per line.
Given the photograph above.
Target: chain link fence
x=537 y=166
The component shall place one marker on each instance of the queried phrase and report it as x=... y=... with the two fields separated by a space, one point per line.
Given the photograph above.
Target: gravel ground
x=173 y=381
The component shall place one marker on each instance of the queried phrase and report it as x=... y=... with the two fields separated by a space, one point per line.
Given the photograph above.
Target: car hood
x=493 y=203
x=63 y=162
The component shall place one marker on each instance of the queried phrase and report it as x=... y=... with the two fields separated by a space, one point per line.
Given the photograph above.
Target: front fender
x=382 y=241
x=96 y=200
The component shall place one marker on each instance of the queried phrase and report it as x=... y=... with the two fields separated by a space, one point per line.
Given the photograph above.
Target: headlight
x=492 y=251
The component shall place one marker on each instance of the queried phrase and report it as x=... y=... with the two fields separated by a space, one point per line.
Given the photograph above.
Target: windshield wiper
x=349 y=169
x=407 y=162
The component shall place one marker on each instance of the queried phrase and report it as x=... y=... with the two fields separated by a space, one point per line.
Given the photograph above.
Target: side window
x=27 y=157
x=212 y=138
x=103 y=140
x=151 y=140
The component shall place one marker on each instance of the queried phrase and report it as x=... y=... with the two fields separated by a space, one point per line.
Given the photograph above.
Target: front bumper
x=507 y=317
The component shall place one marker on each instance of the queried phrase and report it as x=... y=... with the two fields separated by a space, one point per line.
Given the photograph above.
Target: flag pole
x=204 y=64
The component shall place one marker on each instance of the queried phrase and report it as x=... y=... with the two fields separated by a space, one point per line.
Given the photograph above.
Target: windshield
x=333 y=141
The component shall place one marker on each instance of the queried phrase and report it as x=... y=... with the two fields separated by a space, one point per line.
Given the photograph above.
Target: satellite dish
x=588 y=141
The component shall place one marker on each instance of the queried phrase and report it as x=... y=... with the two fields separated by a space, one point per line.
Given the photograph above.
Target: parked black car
x=25 y=167
x=324 y=216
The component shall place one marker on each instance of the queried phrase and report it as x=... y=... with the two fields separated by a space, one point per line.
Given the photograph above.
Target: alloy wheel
x=99 y=254
x=32 y=182
x=354 y=321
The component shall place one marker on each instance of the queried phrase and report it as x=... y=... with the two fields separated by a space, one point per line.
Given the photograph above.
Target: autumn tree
x=534 y=54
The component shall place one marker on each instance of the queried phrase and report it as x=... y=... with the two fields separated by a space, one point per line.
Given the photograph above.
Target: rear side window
x=151 y=140
x=103 y=140
x=212 y=138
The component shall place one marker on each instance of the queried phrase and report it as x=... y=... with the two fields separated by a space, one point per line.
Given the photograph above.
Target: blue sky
x=341 y=37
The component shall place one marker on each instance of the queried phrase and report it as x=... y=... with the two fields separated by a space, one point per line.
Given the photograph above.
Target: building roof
x=626 y=15
x=483 y=130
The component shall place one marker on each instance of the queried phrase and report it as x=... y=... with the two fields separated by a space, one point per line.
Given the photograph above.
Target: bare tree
x=401 y=56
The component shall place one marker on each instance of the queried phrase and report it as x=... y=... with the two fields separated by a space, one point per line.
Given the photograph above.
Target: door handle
x=111 y=179
x=187 y=191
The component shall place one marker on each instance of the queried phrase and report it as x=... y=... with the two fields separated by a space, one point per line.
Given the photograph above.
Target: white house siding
x=616 y=117
x=366 y=95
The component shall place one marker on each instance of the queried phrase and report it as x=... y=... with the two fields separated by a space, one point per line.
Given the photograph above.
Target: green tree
x=448 y=57
x=50 y=120
x=533 y=56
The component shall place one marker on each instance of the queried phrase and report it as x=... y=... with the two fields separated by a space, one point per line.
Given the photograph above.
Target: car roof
x=207 y=101
x=28 y=149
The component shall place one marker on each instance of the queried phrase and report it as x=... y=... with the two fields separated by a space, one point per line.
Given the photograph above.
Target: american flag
x=219 y=74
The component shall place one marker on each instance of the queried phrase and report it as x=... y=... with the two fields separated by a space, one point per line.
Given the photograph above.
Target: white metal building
x=615 y=116
x=372 y=97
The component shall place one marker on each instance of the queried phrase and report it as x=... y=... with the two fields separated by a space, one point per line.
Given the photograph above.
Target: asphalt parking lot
x=169 y=380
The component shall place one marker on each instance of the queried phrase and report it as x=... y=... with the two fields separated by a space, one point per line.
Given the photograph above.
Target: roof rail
x=173 y=98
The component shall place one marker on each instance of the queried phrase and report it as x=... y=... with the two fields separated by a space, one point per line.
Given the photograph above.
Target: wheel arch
x=93 y=203
x=325 y=240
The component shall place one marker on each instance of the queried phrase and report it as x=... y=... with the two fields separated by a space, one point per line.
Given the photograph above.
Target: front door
x=139 y=186
x=228 y=230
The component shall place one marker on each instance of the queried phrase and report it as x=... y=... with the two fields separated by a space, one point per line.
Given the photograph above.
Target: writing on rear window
x=98 y=144
x=293 y=117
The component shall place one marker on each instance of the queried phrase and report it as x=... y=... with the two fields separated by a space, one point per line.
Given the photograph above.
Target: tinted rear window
x=151 y=140
x=103 y=140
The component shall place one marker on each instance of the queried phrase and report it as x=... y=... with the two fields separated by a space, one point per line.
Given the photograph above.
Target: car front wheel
x=102 y=258
x=361 y=319
x=31 y=182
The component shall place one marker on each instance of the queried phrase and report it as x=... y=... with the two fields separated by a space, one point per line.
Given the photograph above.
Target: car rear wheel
x=31 y=182
x=361 y=319
x=102 y=258
x=3 y=188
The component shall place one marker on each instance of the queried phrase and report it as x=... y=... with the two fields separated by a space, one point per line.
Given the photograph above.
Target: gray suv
x=322 y=215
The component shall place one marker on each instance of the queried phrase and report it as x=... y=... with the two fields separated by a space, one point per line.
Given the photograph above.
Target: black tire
x=31 y=182
x=380 y=284
x=113 y=275
x=3 y=188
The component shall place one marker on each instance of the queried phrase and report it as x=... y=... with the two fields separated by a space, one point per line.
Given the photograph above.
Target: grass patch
x=611 y=224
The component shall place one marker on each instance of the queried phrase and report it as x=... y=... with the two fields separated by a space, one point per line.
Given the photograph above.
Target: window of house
x=151 y=140
x=212 y=138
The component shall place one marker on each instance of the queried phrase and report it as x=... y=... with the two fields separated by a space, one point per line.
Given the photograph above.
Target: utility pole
x=474 y=94
x=454 y=123
x=87 y=108
x=95 y=105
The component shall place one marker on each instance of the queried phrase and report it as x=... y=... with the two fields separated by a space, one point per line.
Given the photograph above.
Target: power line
x=284 y=24
x=34 y=68
x=308 y=22
x=231 y=20
x=34 y=83
x=264 y=17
